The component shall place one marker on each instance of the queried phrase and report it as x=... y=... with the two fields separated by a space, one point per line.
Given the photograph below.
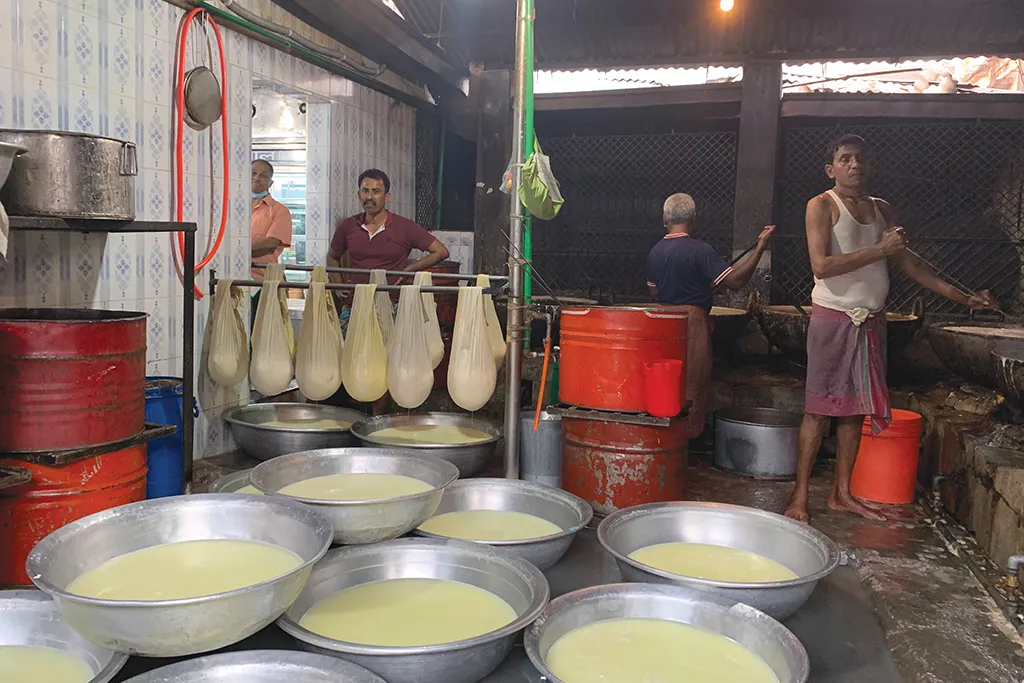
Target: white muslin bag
x=385 y=309
x=431 y=326
x=471 y=370
x=494 y=338
x=318 y=356
x=364 y=362
x=410 y=375
x=228 y=359
x=273 y=339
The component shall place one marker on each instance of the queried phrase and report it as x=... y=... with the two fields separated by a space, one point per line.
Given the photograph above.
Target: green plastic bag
x=539 y=190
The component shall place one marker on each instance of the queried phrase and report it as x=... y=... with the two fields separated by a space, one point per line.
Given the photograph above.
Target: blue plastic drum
x=164 y=406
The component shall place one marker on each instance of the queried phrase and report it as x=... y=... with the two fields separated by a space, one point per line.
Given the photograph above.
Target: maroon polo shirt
x=386 y=249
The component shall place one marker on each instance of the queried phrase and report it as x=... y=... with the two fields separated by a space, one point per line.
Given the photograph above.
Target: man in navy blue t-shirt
x=683 y=271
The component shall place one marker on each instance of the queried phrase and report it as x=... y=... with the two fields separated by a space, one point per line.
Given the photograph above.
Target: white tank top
x=866 y=287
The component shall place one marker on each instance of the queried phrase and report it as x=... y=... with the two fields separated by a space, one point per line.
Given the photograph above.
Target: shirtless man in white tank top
x=851 y=238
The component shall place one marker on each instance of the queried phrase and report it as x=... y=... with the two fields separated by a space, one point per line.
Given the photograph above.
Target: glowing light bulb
x=727 y=5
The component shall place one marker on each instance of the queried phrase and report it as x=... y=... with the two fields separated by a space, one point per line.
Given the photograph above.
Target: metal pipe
x=1013 y=566
x=1012 y=607
x=440 y=173
x=188 y=359
x=284 y=284
x=389 y=273
x=514 y=364
x=528 y=137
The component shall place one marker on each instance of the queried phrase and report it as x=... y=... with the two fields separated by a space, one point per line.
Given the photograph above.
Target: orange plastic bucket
x=886 y=468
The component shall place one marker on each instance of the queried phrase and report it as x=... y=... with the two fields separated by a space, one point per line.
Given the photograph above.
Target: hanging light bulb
x=727 y=5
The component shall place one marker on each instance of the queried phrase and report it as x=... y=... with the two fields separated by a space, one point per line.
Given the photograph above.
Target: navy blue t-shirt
x=684 y=270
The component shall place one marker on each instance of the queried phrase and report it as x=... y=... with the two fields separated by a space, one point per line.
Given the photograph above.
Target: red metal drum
x=70 y=377
x=446 y=302
x=614 y=466
x=604 y=348
x=59 y=495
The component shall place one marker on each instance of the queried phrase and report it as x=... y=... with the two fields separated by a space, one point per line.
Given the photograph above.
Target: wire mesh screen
x=614 y=187
x=428 y=139
x=958 y=188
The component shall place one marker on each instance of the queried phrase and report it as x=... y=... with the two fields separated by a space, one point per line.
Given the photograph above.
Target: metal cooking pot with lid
x=42 y=182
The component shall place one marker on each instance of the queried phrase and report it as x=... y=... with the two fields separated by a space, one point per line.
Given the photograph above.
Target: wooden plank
x=712 y=93
x=895 y=105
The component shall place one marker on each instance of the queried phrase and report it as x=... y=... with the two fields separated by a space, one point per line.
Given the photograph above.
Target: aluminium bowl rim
x=360 y=432
x=534 y=577
x=531 y=638
x=322 y=527
x=586 y=512
x=231 y=417
x=453 y=474
x=832 y=554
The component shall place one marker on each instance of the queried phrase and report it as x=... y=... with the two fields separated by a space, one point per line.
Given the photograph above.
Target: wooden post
x=760 y=97
x=493 y=151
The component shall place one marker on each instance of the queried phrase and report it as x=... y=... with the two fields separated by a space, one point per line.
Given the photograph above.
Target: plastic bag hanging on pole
x=538 y=190
x=228 y=360
x=385 y=309
x=410 y=376
x=364 y=364
x=432 y=328
x=318 y=356
x=471 y=370
x=273 y=339
x=494 y=336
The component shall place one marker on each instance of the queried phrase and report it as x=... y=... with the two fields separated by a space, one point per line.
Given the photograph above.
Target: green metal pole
x=440 y=174
x=528 y=146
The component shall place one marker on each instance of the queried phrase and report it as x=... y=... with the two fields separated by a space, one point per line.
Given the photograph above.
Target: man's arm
x=265 y=246
x=819 y=238
x=740 y=275
x=919 y=272
x=279 y=235
x=436 y=253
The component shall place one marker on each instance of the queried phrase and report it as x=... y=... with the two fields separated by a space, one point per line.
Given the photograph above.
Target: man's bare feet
x=797 y=509
x=847 y=503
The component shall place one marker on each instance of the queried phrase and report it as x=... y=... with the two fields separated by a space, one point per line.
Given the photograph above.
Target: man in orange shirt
x=271 y=220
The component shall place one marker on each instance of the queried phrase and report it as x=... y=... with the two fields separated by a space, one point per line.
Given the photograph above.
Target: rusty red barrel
x=70 y=377
x=604 y=348
x=59 y=495
x=614 y=466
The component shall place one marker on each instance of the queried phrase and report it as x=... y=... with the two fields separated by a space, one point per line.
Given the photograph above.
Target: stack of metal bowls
x=807 y=552
x=470 y=458
x=31 y=618
x=554 y=505
x=512 y=579
x=755 y=631
x=260 y=666
x=174 y=628
x=263 y=442
x=231 y=483
x=361 y=521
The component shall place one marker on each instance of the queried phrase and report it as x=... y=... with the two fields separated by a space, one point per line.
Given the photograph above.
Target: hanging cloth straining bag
x=432 y=328
x=471 y=370
x=384 y=307
x=539 y=191
x=228 y=360
x=364 y=364
x=494 y=337
x=273 y=339
x=410 y=375
x=318 y=356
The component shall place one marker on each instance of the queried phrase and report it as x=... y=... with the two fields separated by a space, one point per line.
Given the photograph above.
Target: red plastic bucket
x=886 y=468
x=663 y=387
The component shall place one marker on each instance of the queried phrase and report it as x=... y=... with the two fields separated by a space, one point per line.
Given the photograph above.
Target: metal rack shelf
x=12 y=476
x=67 y=456
x=188 y=300
x=390 y=273
x=566 y=411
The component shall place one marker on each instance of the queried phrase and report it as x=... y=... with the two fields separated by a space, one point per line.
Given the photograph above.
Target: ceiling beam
x=377 y=33
x=872 y=105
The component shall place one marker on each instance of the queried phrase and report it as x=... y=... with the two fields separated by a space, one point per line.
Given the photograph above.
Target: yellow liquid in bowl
x=489 y=525
x=441 y=435
x=308 y=423
x=712 y=562
x=356 y=486
x=34 y=664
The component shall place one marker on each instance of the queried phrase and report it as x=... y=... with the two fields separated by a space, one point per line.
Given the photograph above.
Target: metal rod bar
x=188 y=359
x=441 y=289
x=514 y=361
x=390 y=273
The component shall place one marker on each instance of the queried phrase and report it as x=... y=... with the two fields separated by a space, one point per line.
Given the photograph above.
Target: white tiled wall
x=106 y=67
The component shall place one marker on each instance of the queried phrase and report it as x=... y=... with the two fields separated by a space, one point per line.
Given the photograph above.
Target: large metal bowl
x=362 y=521
x=260 y=666
x=263 y=443
x=469 y=458
x=504 y=574
x=231 y=483
x=810 y=554
x=555 y=505
x=31 y=617
x=754 y=630
x=966 y=348
x=173 y=628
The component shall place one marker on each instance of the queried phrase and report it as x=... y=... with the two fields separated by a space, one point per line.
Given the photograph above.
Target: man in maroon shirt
x=378 y=239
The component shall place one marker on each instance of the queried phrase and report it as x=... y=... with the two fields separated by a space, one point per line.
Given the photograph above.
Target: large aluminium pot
x=757 y=442
x=70 y=175
x=966 y=348
x=1008 y=359
x=786 y=329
